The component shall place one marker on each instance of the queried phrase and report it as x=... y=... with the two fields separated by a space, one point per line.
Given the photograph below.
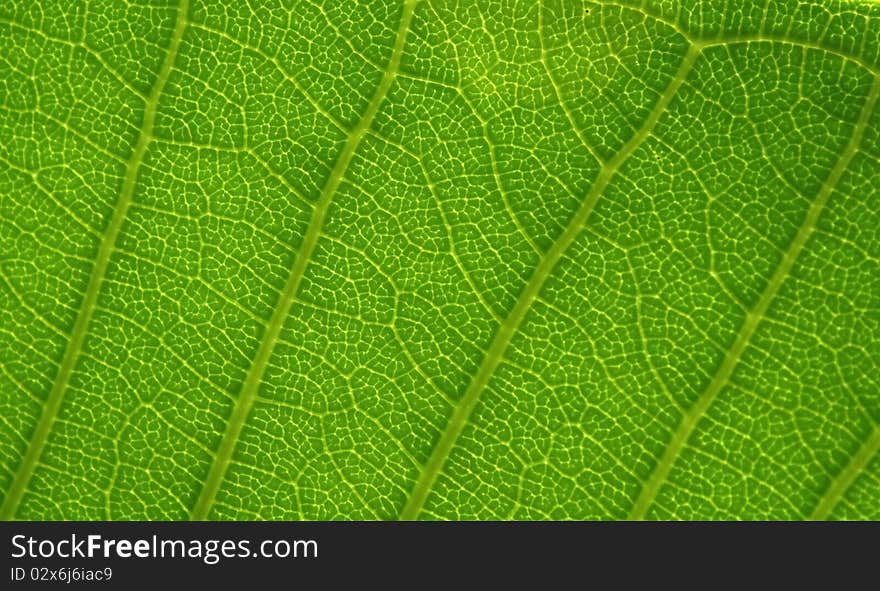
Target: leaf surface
x=376 y=260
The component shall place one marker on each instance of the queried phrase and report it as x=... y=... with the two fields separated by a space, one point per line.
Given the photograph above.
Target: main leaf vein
x=506 y=330
x=689 y=420
x=99 y=271
x=251 y=384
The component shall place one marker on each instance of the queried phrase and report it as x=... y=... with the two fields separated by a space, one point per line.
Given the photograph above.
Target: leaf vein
x=250 y=386
x=689 y=420
x=90 y=297
x=506 y=330
x=838 y=486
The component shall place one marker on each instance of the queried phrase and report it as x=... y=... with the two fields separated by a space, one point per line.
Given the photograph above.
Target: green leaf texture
x=439 y=260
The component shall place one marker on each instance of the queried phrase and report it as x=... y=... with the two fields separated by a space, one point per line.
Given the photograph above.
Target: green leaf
x=478 y=260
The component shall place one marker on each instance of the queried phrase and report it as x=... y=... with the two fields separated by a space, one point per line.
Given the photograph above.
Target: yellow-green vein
x=693 y=415
x=251 y=384
x=511 y=323
x=86 y=310
x=845 y=478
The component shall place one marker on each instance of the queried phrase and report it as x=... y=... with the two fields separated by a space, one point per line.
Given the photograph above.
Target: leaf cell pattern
x=398 y=259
